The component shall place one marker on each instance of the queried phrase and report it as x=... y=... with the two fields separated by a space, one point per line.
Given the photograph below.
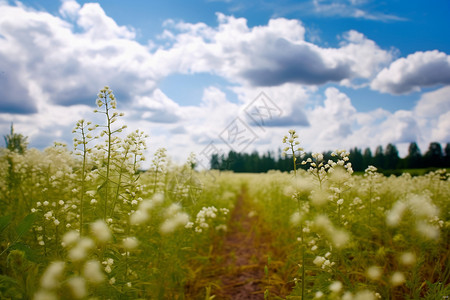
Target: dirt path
x=235 y=268
x=244 y=255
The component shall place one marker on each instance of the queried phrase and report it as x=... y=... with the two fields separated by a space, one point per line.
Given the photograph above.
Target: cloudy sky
x=208 y=75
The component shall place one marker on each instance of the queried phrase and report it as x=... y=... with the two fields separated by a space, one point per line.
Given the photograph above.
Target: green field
x=85 y=223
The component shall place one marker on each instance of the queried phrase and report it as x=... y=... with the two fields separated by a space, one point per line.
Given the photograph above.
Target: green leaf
x=31 y=254
x=25 y=225
x=32 y=275
x=4 y=222
x=9 y=288
x=8 y=280
x=101 y=186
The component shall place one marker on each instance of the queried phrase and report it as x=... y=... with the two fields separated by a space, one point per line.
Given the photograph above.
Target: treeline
x=384 y=159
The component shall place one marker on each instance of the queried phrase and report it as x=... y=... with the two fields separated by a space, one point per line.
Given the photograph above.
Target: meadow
x=85 y=222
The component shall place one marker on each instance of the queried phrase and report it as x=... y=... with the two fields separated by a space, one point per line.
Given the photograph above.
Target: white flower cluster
x=424 y=211
x=292 y=144
x=174 y=218
x=319 y=168
x=142 y=214
x=90 y=271
x=108 y=264
x=324 y=262
x=338 y=237
x=55 y=212
x=205 y=218
x=101 y=231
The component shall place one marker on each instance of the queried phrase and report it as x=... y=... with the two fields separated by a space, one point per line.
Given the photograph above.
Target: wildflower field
x=85 y=222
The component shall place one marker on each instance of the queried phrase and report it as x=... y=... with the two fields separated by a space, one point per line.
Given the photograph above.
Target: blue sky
x=344 y=73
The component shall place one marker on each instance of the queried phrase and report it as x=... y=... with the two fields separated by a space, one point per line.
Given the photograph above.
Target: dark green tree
x=414 y=157
x=391 y=158
x=16 y=142
x=215 y=161
x=447 y=155
x=434 y=157
x=378 y=159
x=356 y=159
x=367 y=158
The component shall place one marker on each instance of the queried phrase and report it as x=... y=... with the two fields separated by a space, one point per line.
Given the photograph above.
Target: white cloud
x=97 y=25
x=287 y=102
x=426 y=122
x=42 y=51
x=442 y=131
x=69 y=60
x=331 y=123
x=69 y=9
x=365 y=56
x=421 y=69
x=433 y=104
x=268 y=55
x=400 y=127
x=158 y=108
x=432 y=111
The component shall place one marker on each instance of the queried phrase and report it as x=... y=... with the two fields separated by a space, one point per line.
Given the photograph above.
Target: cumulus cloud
x=67 y=59
x=442 y=131
x=42 y=51
x=337 y=124
x=426 y=122
x=421 y=69
x=158 y=108
x=400 y=127
x=335 y=117
x=268 y=55
x=15 y=97
x=282 y=105
x=432 y=110
x=433 y=104
x=69 y=9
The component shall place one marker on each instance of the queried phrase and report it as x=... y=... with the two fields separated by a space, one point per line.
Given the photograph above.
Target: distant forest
x=384 y=159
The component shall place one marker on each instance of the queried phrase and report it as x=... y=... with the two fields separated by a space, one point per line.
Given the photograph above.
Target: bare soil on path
x=235 y=269
x=245 y=252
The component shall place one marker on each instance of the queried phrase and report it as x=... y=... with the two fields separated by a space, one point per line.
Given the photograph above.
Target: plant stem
x=83 y=179
x=108 y=160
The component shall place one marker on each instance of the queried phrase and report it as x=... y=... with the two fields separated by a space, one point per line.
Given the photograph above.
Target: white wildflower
x=397 y=278
x=318 y=295
x=296 y=218
x=45 y=295
x=319 y=260
x=80 y=251
x=52 y=276
x=179 y=219
x=408 y=258
x=374 y=272
x=130 y=243
x=335 y=287
x=92 y=272
x=101 y=231
x=77 y=286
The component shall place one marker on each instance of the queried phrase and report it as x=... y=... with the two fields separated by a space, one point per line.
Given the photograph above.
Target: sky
x=209 y=76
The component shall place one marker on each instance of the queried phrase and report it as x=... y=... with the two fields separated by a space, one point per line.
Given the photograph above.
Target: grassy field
x=84 y=223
